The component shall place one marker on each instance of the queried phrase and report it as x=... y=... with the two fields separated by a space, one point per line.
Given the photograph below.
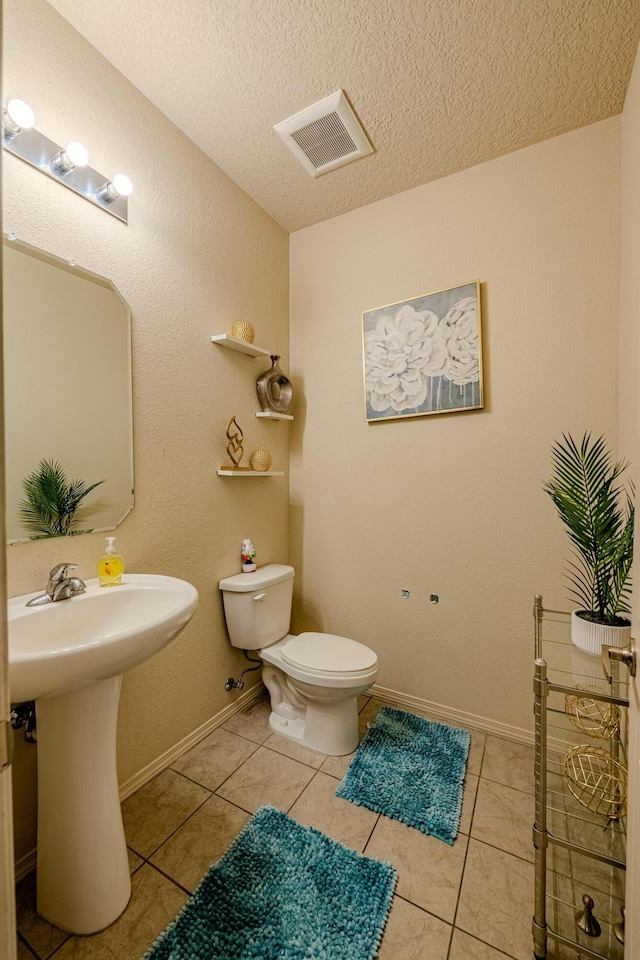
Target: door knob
x=626 y=655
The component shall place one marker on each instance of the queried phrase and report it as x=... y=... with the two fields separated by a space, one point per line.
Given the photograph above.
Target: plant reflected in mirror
x=51 y=501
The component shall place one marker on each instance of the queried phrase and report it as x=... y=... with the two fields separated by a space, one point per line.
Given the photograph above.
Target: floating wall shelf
x=251 y=473
x=271 y=415
x=242 y=346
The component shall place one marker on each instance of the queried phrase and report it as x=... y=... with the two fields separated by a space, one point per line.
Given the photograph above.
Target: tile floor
x=469 y=901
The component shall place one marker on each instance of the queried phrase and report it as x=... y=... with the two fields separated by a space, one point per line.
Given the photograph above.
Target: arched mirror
x=68 y=406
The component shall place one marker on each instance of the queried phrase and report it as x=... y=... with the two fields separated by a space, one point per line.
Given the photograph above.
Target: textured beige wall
x=197 y=254
x=453 y=504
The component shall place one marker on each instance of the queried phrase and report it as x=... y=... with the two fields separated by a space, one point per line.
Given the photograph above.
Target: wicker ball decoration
x=594 y=717
x=597 y=780
x=243 y=330
x=260 y=460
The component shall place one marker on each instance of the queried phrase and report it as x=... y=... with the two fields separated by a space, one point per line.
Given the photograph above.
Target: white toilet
x=313 y=679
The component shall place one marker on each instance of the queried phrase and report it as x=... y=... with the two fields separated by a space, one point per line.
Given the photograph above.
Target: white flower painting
x=424 y=356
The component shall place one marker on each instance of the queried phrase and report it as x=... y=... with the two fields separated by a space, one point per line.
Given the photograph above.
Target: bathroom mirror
x=67 y=378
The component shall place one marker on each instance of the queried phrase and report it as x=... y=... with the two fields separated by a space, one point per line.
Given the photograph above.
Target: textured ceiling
x=439 y=85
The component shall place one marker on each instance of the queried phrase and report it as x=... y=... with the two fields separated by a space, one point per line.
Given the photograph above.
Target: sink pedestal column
x=83 y=870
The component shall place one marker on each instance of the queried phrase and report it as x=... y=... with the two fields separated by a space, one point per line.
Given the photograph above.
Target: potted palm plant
x=51 y=501
x=598 y=512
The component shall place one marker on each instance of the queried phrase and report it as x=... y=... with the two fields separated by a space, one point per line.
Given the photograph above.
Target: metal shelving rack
x=577 y=852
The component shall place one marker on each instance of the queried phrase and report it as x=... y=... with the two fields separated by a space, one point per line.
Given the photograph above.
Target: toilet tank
x=257 y=606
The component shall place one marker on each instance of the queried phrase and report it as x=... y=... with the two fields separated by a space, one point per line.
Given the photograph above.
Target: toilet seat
x=316 y=677
x=327 y=653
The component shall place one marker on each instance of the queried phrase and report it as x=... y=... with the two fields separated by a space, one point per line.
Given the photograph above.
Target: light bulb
x=112 y=190
x=21 y=113
x=74 y=155
x=122 y=184
x=17 y=117
x=77 y=154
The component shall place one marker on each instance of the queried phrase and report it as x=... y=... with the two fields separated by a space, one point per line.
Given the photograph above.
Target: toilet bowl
x=313 y=679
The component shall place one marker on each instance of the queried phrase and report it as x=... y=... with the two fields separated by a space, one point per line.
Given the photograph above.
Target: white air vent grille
x=325 y=140
x=326 y=135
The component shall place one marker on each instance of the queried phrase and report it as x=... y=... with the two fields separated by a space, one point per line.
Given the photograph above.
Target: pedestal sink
x=69 y=657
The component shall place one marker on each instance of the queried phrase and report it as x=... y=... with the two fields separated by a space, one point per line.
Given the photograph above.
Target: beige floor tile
x=337 y=766
x=297 y=751
x=476 y=752
x=429 y=871
x=497 y=898
x=252 y=723
x=157 y=809
x=345 y=822
x=464 y=947
x=188 y=854
x=266 y=777
x=412 y=934
x=504 y=818
x=41 y=935
x=509 y=763
x=363 y=700
x=134 y=861
x=154 y=903
x=468 y=802
x=24 y=953
x=215 y=758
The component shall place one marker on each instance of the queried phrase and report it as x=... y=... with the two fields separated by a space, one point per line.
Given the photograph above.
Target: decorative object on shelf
x=260 y=460
x=234 y=446
x=243 y=330
x=423 y=356
x=274 y=389
x=52 y=500
x=596 y=718
x=585 y=918
x=599 y=515
x=597 y=780
x=618 y=930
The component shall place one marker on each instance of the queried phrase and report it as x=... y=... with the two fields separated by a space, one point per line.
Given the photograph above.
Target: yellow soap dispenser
x=111 y=566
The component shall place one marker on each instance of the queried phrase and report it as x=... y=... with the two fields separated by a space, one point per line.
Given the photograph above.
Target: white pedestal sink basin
x=69 y=656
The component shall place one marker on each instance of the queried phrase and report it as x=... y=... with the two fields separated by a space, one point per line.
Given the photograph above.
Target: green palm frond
x=587 y=495
x=52 y=500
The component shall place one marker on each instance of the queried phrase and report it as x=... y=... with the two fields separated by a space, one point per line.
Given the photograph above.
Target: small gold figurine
x=234 y=446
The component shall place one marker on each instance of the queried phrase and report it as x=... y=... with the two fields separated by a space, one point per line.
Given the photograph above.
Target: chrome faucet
x=60 y=586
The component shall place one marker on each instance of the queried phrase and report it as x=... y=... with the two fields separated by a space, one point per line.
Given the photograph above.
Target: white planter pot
x=591 y=637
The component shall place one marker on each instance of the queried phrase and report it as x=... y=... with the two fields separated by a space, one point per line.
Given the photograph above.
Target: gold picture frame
x=424 y=356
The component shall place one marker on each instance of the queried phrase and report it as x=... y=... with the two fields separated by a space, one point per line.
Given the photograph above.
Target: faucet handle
x=59 y=572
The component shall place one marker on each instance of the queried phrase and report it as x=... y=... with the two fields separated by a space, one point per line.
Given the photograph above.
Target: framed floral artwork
x=424 y=356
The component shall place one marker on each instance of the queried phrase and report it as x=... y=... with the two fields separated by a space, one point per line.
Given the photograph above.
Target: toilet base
x=328 y=725
x=330 y=731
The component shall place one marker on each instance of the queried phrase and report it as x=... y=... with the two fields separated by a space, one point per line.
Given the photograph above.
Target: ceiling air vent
x=325 y=136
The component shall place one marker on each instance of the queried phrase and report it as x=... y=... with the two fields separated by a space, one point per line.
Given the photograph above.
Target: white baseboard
x=449 y=715
x=27 y=863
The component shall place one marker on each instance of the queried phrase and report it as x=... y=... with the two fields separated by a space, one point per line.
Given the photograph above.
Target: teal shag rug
x=411 y=770
x=283 y=892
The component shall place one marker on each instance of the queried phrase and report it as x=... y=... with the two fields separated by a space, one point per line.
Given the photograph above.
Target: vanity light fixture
x=68 y=165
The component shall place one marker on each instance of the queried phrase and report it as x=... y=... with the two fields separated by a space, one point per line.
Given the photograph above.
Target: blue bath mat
x=411 y=770
x=283 y=892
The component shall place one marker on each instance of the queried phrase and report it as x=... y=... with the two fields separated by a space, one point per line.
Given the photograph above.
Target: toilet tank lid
x=266 y=576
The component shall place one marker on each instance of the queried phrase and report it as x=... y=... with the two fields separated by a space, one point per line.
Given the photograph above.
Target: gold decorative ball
x=260 y=460
x=243 y=330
